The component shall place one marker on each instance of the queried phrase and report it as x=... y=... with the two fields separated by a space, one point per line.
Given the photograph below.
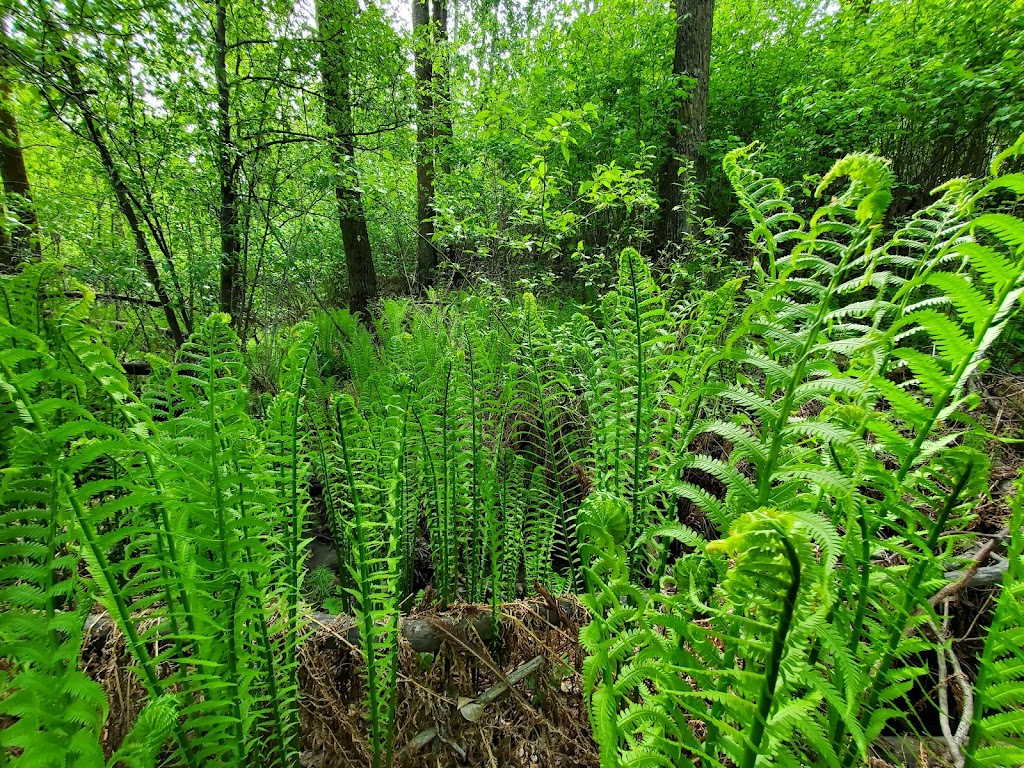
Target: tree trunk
x=20 y=241
x=442 y=89
x=688 y=126
x=335 y=69
x=426 y=252
x=122 y=195
x=232 y=289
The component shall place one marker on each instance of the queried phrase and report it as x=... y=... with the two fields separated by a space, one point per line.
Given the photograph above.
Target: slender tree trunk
x=442 y=85
x=335 y=69
x=688 y=127
x=80 y=97
x=21 y=240
x=232 y=288
x=426 y=252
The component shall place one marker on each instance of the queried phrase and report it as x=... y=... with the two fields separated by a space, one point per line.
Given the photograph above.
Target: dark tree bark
x=20 y=241
x=232 y=287
x=442 y=86
x=426 y=251
x=688 y=127
x=335 y=69
x=80 y=97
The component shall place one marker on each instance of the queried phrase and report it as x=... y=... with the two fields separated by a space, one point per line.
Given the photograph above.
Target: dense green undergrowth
x=756 y=489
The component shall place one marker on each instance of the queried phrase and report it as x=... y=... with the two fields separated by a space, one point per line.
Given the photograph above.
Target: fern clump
x=170 y=518
x=842 y=396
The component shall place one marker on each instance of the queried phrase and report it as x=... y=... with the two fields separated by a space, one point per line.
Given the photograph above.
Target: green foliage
x=320 y=585
x=624 y=397
x=758 y=476
x=756 y=491
x=995 y=735
x=551 y=124
x=143 y=743
x=50 y=507
x=791 y=653
x=179 y=525
x=370 y=529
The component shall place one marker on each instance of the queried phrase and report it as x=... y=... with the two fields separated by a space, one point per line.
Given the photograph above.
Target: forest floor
x=511 y=700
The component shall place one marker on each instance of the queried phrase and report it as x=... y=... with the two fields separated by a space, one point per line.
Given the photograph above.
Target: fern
x=179 y=528
x=824 y=445
x=513 y=506
x=773 y=221
x=539 y=533
x=142 y=745
x=320 y=439
x=60 y=442
x=283 y=439
x=539 y=402
x=371 y=531
x=614 y=605
x=995 y=732
x=625 y=387
x=818 y=421
x=58 y=711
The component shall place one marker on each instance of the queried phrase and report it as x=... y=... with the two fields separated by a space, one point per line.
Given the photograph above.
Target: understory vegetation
x=756 y=490
x=528 y=383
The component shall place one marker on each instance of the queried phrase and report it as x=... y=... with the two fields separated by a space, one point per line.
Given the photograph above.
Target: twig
x=475 y=706
x=552 y=603
x=483 y=657
x=421 y=741
x=114 y=297
x=472 y=709
x=945 y=651
x=967 y=576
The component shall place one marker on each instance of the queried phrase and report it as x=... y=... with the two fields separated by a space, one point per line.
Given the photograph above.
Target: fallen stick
x=473 y=709
x=986 y=576
x=972 y=576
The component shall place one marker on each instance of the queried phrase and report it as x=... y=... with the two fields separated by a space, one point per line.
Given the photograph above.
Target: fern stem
x=220 y=509
x=239 y=746
x=771 y=674
x=898 y=626
x=636 y=523
x=477 y=547
x=407 y=540
x=990 y=691
x=764 y=479
x=333 y=521
x=435 y=529
x=713 y=732
x=956 y=380
x=294 y=543
x=366 y=607
x=448 y=540
x=51 y=554
x=137 y=648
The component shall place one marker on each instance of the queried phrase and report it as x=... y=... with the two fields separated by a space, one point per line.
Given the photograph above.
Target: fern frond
x=997 y=728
